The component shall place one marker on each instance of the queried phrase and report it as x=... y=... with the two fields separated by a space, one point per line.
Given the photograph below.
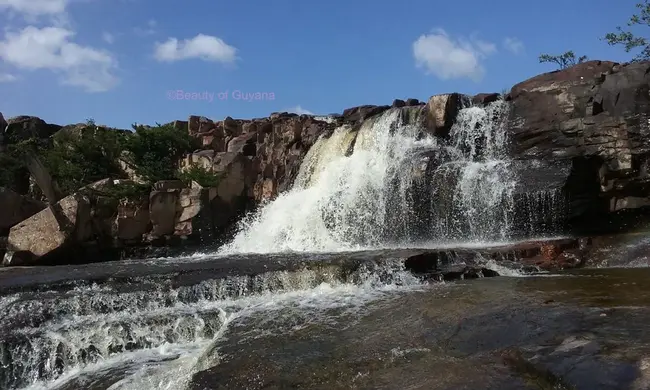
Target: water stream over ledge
x=319 y=289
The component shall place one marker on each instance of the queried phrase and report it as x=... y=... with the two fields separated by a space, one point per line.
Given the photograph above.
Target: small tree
x=564 y=61
x=82 y=156
x=154 y=152
x=628 y=39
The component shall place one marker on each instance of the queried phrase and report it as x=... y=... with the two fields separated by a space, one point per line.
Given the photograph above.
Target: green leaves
x=627 y=39
x=202 y=176
x=563 y=60
x=153 y=152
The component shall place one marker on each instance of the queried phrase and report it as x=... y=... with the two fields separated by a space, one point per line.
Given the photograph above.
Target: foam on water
x=362 y=189
x=339 y=202
x=156 y=339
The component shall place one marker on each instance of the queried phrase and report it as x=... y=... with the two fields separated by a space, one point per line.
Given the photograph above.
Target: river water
x=326 y=321
x=307 y=295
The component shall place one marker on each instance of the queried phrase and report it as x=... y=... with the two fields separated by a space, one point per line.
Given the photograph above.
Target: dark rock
x=483 y=99
x=594 y=115
x=3 y=127
x=21 y=128
x=16 y=208
x=441 y=112
x=361 y=113
x=397 y=103
x=413 y=102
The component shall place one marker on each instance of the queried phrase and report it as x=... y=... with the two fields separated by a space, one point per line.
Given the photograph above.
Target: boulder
x=66 y=222
x=176 y=210
x=441 y=111
x=21 y=128
x=194 y=215
x=483 y=99
x=162 y=210
x=132 y=221
x=358 y=114
x=16 y=208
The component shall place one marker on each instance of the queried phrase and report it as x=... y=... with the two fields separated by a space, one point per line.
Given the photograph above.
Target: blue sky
x=116 y=60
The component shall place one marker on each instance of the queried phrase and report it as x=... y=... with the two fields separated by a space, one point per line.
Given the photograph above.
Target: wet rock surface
x=594 y=114
x=514 y=333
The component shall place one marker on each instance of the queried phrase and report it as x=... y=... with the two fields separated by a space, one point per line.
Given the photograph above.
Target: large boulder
x=23 y=127
x=176 y=210
x=441 y=111
x=15 y=207
x=595 y=115
x=66 y=222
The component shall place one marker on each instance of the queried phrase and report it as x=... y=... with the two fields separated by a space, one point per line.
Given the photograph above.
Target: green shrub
x=154 y=152
x=83 y=155
x=127 y=190
x=564 y=60
x=201 y=175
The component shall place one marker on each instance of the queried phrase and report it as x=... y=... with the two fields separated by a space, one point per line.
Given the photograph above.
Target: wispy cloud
x=7 y=78
x=108 y=37
x=148 y=29
x=513 y=45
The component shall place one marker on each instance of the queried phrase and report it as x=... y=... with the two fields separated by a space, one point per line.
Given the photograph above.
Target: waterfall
x=340 y=201
x=389 y=183
x=480 y=206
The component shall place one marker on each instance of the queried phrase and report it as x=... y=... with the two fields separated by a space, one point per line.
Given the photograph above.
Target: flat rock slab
x=447 y=263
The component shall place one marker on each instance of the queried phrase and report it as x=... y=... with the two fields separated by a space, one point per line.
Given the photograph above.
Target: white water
x=353 y=202
x=480 y=206
x=339 y=202
x=156 y=339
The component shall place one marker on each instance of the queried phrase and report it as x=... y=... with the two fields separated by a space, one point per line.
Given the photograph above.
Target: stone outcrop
x=256 y=154
x=441 y=110
x=15 y=208
x=582 y=131
x=21 y=128
x=67 y=221
x=593 y=116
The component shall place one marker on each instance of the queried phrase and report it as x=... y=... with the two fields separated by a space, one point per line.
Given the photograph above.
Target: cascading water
x=339 y=201
x=479 y=207
x=371 y=188
x=154 y=334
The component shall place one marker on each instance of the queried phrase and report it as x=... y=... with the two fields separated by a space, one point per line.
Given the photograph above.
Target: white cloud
x=35 y=7
x=449 y=58
x=300 y=111
x=7 y=78
x=108 y=37
x=513 y=45
x=202 y=46
x=149 y=29
x=51 y=48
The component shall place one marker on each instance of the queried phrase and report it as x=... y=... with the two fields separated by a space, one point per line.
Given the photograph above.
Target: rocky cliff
x=582 y=130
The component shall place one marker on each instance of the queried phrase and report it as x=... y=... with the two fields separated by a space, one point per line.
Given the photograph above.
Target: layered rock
x=582 y=131
x=595 y=117
x=256 y=157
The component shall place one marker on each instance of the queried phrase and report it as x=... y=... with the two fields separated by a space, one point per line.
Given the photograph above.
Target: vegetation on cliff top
x=622 y=37
x=627 y=39
x=564 y=60
x=78 y=156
